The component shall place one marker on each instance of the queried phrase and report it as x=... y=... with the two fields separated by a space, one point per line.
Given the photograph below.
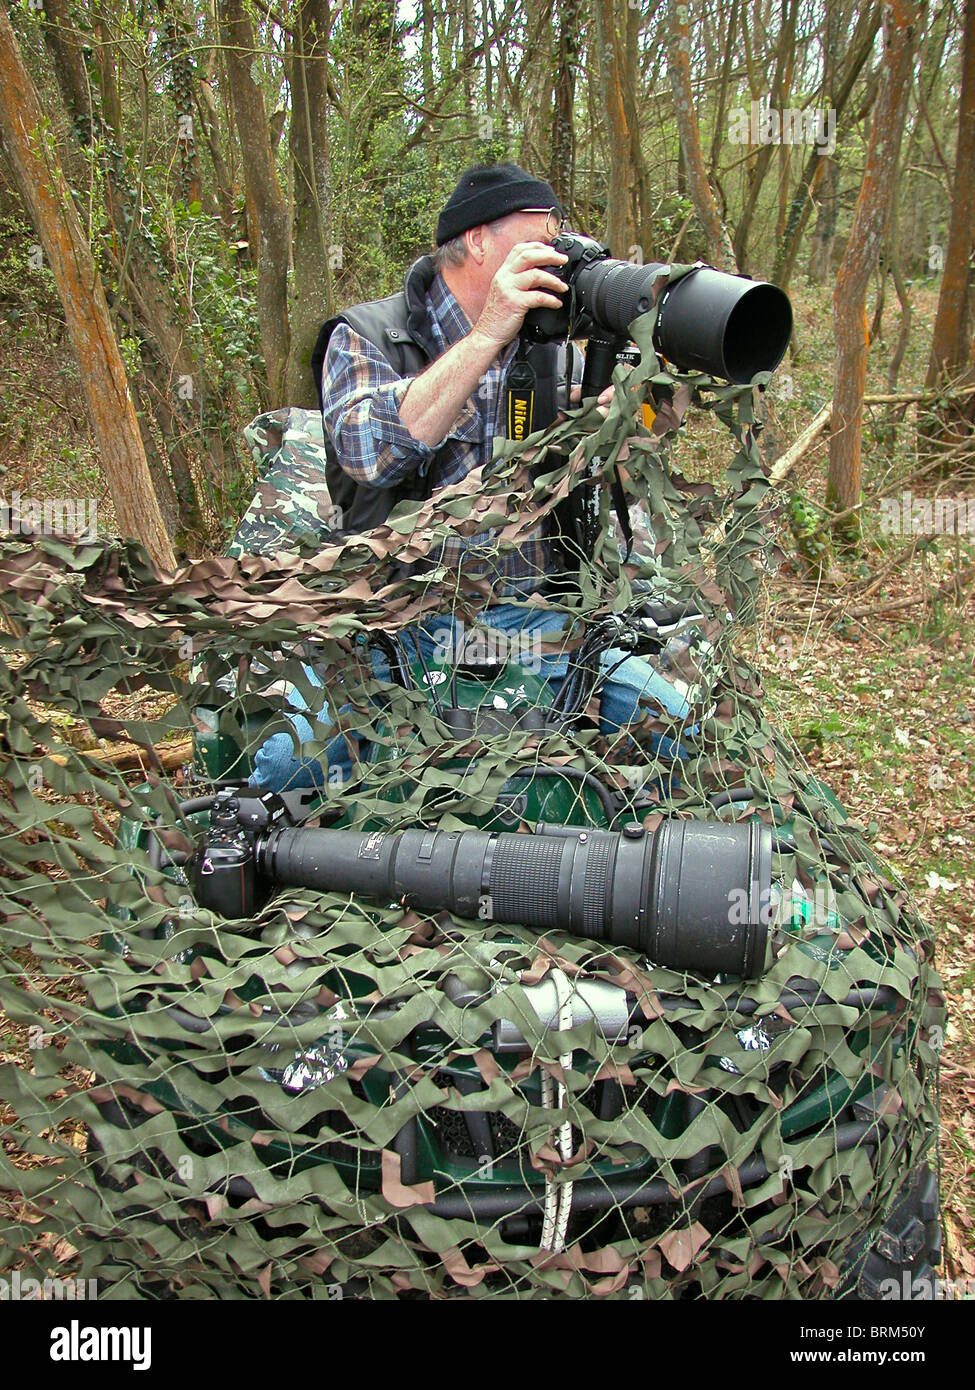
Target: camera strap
x=629 y=356
x=622 y=510
x=519 y=395
x=530 y=405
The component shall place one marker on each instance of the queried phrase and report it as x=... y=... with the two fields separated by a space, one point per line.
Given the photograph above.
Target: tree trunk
x=876 y=329
x=866 y=238
x=949 y=347
x=897 y=273
x=488 y=75
x=785 y=179
x=532 y=87
x=728 y=58
x=720 y=250
x=762 y=161
x=108 y=81
x=162 y=482
x=561 y=166
x=823 y=238
x=66 y=50
x=312 y=301
x=223 y=199
x=467 y=41
x=44 y=190
x=642 y=210
x=145 y=298
x=619 y=227
x=426 y=52
x=183 y=84
x=860 y=47
x=267 y=203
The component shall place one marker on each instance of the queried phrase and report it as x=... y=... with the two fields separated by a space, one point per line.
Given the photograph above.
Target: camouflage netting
x=193 y=1107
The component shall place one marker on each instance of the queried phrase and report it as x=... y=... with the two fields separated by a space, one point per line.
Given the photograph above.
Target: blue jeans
x=277 y=767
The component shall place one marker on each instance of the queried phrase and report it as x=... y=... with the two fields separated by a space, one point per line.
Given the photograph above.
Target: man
x=413 y=386
x=412 y=395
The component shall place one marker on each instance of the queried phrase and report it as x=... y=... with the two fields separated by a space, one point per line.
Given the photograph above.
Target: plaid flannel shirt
x=361 y=397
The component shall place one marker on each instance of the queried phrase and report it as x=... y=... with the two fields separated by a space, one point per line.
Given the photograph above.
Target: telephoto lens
x=707 y=321
x=691 y=895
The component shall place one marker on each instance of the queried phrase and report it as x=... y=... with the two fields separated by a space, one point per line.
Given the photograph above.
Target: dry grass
x=883 y=711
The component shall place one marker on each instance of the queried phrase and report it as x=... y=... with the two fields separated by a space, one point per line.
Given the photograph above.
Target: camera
x=725 y=325
x=666 y=893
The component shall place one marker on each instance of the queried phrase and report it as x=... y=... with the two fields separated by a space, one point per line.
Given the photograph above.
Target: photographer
x=413 y=395
x=413 y=386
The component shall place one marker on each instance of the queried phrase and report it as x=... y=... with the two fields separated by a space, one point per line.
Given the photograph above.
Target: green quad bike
x=662 y=1037
x=514 y=1012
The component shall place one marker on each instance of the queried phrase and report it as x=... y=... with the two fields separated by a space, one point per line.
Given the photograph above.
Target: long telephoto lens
x=708 y=321
x=692 y=895
x=725 y=325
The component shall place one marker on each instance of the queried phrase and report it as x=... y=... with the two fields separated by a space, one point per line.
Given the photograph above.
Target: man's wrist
x=485 y=341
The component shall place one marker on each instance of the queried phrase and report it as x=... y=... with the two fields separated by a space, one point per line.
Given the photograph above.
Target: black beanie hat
x=488 y=191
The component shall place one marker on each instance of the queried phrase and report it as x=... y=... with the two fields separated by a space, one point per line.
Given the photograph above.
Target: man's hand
x=603 y=402
x=520 y=284
x=435 y=398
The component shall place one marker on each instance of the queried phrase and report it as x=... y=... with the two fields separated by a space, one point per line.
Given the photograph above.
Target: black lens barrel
x=693 y=895
x=725 y=325
x=712 y=896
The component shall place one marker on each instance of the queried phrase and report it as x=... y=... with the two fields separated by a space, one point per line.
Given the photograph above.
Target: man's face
x=505 y=233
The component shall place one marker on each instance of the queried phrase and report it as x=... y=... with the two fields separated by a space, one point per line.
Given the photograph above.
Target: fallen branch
x=132 y=755
x=954 y=583
x=886 y=607
x=921 y=397
x=784 y=465
x=897 y=561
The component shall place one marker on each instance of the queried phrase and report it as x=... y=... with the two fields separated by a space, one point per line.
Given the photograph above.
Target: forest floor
x=883 y=709
x=868 y=662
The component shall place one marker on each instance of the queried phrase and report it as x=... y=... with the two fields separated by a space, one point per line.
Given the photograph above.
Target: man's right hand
x=520 y=283
x=436 y=397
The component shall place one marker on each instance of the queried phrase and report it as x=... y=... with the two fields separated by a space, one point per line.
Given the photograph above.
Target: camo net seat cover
x=193 y=1108
x=291 y=505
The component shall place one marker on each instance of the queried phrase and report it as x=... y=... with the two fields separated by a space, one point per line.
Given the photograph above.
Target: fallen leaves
x=937 y=884
x=903 y=762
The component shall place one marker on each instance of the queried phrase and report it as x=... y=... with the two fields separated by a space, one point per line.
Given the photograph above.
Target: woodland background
x=188 y=188
x=194 y=187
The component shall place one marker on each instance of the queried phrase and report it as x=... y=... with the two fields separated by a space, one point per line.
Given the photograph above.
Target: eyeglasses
x=555 y=223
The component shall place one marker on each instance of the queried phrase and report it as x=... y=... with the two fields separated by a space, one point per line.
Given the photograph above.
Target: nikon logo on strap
x=520 y=399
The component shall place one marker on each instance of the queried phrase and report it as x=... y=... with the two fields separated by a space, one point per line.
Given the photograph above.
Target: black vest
x=399 y=327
